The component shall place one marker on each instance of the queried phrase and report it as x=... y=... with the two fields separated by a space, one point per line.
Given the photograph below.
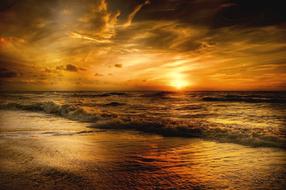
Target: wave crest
x=177 y=128
x=247 y=99
x=66 y=111
x=155 y=125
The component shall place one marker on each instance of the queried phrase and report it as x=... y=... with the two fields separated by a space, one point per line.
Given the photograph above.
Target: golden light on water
x=146 y=94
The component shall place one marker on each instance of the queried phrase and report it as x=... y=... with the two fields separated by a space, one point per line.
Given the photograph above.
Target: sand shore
x=38 y=151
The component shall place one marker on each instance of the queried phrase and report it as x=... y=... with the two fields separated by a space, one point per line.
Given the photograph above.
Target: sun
x=179 y=84
x=178 y=81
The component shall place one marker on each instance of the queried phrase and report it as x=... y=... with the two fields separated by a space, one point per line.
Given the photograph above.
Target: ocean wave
x=13 y=96
x=69 y=133
x=67 y=111
x=107 y=104
x=94 y=95
x=177 y=128
x=156 y=125
x=248 y=99
x=190 y=107
x=114 y=104
x=163 y=94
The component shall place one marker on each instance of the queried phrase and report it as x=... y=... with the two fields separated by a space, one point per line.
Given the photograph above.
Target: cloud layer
x=119 y=45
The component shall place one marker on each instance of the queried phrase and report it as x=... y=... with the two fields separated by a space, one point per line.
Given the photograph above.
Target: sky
x=142 y=45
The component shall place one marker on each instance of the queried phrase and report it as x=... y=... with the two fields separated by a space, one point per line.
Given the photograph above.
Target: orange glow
x=178 y=82
x=113 y=48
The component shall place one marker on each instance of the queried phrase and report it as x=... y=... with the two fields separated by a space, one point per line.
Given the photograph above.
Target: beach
x=142 y=95
x=40 y=151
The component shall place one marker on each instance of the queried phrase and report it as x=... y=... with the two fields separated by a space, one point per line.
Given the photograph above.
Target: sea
x=143 y=140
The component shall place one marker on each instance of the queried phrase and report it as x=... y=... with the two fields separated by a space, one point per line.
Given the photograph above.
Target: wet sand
x=38 y=151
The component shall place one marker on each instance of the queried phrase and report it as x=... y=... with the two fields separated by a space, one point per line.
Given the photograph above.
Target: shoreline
x=127 y=159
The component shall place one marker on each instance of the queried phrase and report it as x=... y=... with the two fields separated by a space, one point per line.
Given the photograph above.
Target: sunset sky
x=142 y=45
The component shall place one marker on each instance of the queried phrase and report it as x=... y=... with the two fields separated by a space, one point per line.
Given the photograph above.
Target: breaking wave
x=88 y=95
x=156 y=125
x=173 y=128
x=163 y=94
x=248 y=99
x=67 y=111
x=114 y=104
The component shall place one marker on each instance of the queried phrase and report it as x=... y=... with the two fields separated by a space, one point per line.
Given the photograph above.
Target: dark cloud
x=209 y=18
x=71 y=68
x=98 y=75
x=68 y=67
x=195 y=12
x=216 y=13
x=5 y=73
x=6 y=4
x=61 y=67
x=47 y=70
x=118 y=65
x=250 y=13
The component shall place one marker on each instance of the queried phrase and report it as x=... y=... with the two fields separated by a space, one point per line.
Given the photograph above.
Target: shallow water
x=41 y=151
x=256 y=119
